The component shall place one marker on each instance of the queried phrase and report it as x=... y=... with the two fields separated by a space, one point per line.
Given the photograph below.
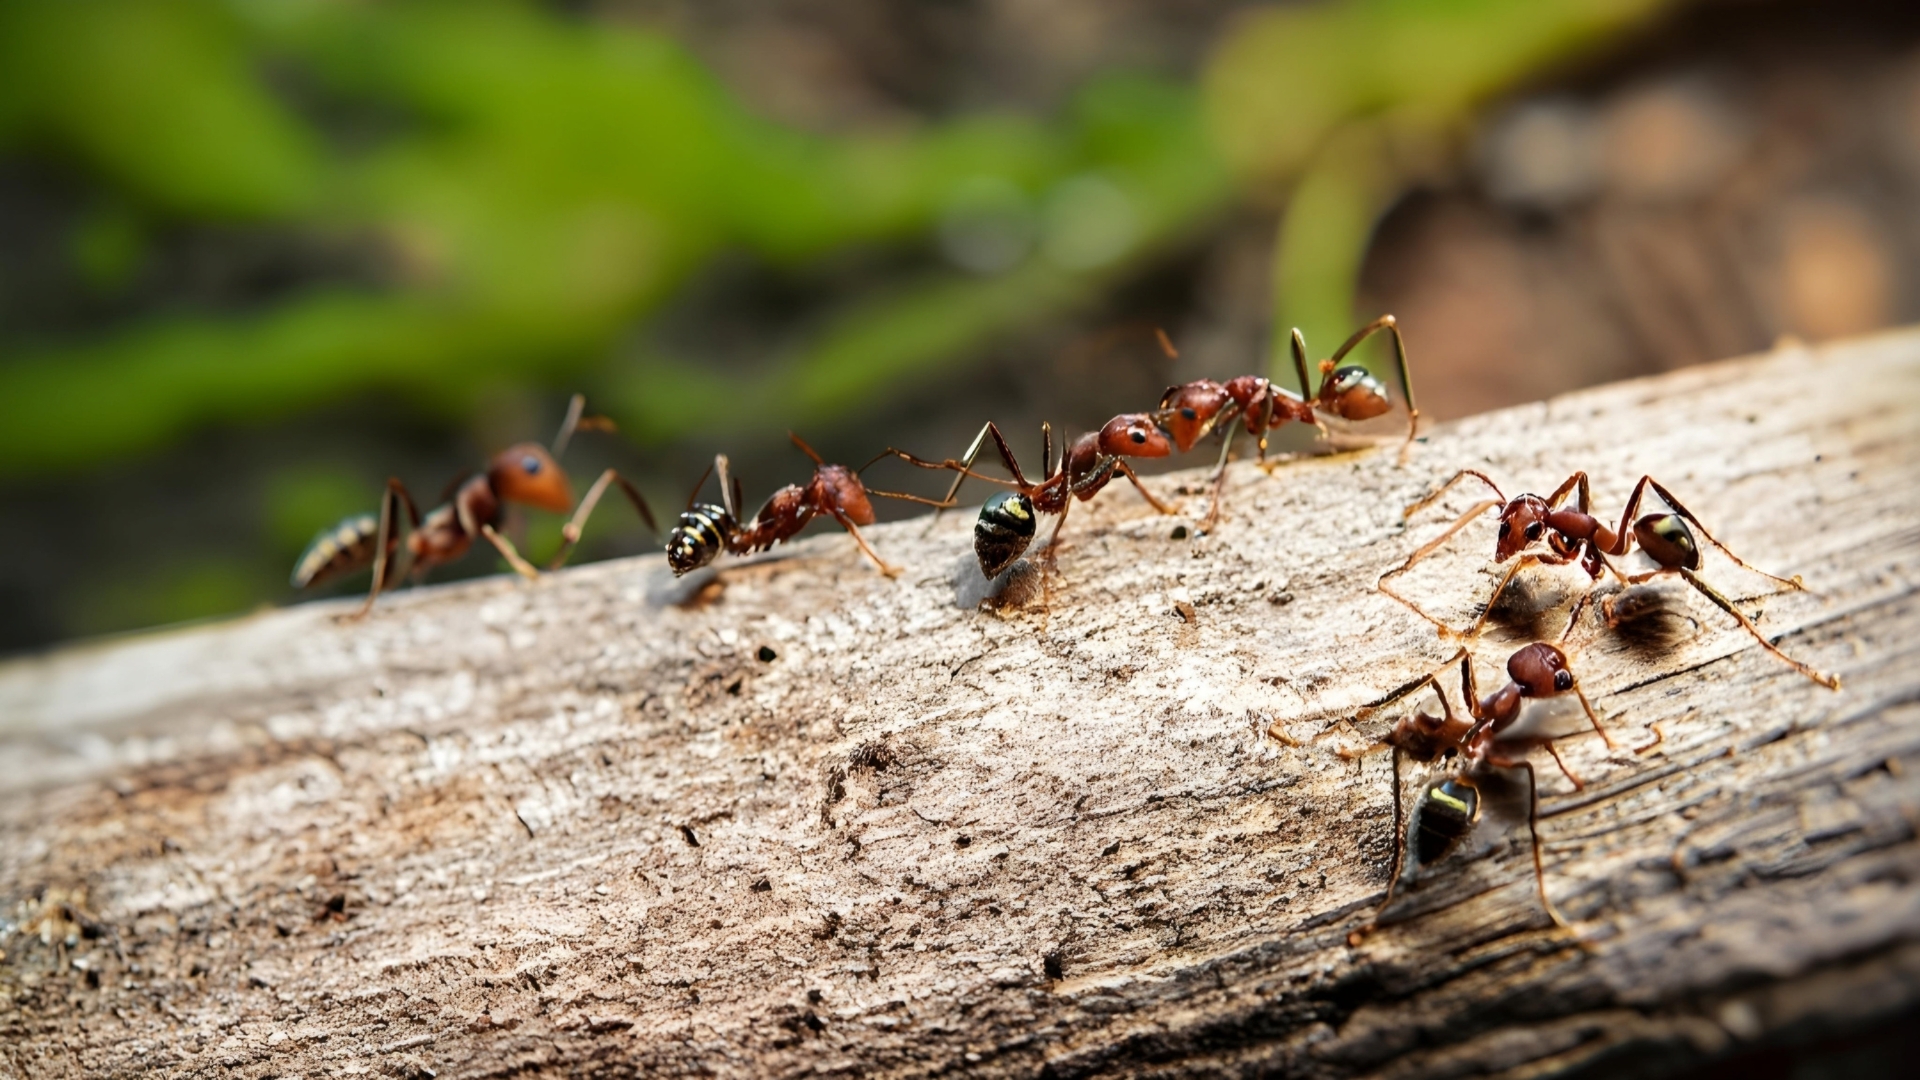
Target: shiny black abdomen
x=699 y=537
x=1003 y=532
x=1447 y=814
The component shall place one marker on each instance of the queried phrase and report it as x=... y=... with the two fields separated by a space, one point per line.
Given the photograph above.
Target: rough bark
x=808 y=819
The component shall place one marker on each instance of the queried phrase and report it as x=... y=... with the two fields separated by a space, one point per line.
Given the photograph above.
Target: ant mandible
x=1007 y=520
x=526 y=473
x=1192 y=411
x=1448 y=811
x=1573 y=533
x=705 y=530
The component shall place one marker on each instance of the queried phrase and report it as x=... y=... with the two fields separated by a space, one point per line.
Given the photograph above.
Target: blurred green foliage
x=537 y=183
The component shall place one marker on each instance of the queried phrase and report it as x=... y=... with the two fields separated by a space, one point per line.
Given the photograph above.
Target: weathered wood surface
x=574 y=827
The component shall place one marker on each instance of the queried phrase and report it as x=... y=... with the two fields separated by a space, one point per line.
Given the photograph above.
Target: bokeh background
x=257 y=255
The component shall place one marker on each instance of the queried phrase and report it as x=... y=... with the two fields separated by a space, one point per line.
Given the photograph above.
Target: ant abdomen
x=1447 y=815
x=1004 y=530
x=337 y=551
x=699 y=537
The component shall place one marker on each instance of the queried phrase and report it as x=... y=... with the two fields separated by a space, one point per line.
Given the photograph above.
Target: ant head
x=1541 y=671
x=1352 y=393
x=1522 y=521
x=1134 y=435
x=527 y=474
x=1188 y=410
x=1667 y=540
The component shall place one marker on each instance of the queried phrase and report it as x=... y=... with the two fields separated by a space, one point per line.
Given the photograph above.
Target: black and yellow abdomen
x=1003 y=532
x=346 y=548
x=699 y=537
x=1447 y=815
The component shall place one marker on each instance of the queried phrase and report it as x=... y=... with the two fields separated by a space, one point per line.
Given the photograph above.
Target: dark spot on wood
x=962 y=840
x=734 y=686
x=1186 y=613
x=687 y=832
x=814 y=1022
x=1110 y=849
x=763 y=885
x=767 y=655
x=814 y=997
x=1179 y=532
x=1054 y=964
x=872 y=755
x=829 y=926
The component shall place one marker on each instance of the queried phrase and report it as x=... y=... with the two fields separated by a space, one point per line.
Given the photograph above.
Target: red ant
x=1007 y=521
x=1573 y=533
x=1447 y=812
x=705 y=530
x=1194 y=410
x=526 y=473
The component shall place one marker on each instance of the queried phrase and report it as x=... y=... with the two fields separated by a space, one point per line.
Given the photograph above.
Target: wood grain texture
x=581 y=827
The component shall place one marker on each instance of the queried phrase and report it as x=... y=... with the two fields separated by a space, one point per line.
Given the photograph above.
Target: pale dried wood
x=580 y=827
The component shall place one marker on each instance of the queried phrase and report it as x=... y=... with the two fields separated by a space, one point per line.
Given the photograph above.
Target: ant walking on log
x=1194 y=410
x=1007 y=521
x=1447 y=812
x=526 y=473
x=1574 y=534
x=705 y=530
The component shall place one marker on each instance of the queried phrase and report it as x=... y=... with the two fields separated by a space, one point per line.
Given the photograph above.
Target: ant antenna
x=574 y=408
x=1166 y=343
x=808 y=450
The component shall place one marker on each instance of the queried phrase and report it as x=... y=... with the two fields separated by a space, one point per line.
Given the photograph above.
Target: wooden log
x=807 y=819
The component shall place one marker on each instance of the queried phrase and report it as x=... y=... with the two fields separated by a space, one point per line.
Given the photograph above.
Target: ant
x=1194 y=410
x=1574 y=534
x=1008 y=519
x=1448 y=811
x=705 y=530
x=525 y=473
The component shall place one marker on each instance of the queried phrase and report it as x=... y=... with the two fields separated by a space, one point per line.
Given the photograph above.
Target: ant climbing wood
x=1007 y=521
x=1446 y=812
x=705 y=530
x=1573 y=534
x=527 y=474
x=1194 y=410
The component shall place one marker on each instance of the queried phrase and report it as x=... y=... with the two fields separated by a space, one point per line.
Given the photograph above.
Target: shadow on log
x=808 y=819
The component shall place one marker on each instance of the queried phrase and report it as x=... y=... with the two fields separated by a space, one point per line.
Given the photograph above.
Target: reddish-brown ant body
x=1572 y=533
x=525 y=474
x=1446 y=812
x=705 y=530
x=1007 y=521
x=1194 y=410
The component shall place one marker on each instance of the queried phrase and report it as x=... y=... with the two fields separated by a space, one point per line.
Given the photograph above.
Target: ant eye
x=1563 y=681
x=1189 y=414
x=530 y=465
x=1139 y=436
x=1534 y=530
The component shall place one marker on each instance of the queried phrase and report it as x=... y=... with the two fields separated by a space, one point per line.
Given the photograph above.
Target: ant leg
x=1831 y=682
x=1388 y=322
x=1518 y=564
x=385 y=538
x=512 y=554
x=1127 y=470
x=853 y=531
x=1577 y=480
x=1793 y=582
x=1300 y=363
x=1427 y=549
x=570 y=532
x=1434 y=496
x=1399 y=857
x=1554 y=752
x=1533 y=828
x=1220 y=477
x=1659 y=737
x=1592 y=717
